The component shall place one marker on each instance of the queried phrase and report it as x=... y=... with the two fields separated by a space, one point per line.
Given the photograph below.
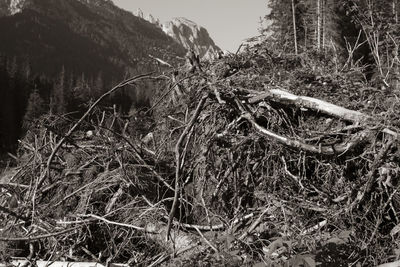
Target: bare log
x=315 y=104
x=318 y=105
x=44 y=263
x=391 y=264
x=335 y=149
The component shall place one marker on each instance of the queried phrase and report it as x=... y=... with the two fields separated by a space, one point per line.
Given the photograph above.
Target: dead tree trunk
x=294 y=28
x=315 y=104
x=318 y=25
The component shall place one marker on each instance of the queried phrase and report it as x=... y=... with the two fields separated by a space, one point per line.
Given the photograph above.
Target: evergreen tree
x=26 y=69
x=281 y=26
x=83 y=90
x=14 y=84
x=10 y=111
x=98 y=85
x=304 y=24
x=57 y=99
x=35 y=108
x=379 y=23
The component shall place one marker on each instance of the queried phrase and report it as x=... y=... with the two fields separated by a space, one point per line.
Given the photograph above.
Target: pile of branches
x=241 y=161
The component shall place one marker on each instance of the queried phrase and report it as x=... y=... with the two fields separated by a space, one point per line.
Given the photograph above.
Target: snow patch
x=16 y=6
x=192 y=36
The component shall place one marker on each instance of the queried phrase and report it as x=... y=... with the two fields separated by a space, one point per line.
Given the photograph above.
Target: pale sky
x=227 y=21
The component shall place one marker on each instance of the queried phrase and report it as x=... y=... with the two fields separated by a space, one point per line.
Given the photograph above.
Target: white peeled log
x=59 y=264
x=390 y=264
x=317 y=105
x=284 y=97
x=314 y=104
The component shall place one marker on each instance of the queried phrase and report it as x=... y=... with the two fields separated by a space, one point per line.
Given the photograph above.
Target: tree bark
x=318 y=25
x=330 y=150
x=315 y=104
x=326 y=150
x=323 y=10
x=294 y=28
x=305 y=34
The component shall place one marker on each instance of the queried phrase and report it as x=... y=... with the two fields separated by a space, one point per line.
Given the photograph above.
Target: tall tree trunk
x=318 y=25
x=323 y=10
x=294 y=28
x=305 y=34
x=397 y=70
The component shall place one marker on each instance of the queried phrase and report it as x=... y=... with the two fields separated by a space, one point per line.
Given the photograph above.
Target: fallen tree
x=317 y=105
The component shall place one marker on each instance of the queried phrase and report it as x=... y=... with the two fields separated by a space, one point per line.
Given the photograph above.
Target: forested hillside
x=88 y=45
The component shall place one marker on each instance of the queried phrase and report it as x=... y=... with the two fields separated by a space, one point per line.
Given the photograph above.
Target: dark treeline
x=347 y=31
x=25 y=96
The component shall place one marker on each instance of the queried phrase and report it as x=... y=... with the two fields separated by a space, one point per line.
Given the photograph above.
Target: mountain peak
x=139 y=13
x=110 y=36
x=15 y=6
x=187 y=33
x=184 y=20
x=192 y=36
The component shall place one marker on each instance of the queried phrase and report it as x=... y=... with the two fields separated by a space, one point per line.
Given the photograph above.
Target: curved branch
x=87 y=113
x=341 y=148
x=178 y=161
x=33 y=238
x=323 y=150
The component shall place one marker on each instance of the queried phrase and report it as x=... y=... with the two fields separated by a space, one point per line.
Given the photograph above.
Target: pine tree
x=98 y=85
x=11 y=120
x=294 y=28
x=35 y=108
x=57 y=99
x=281 y=26
x=304 y=24
x=83 y=91
x=379 y=23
